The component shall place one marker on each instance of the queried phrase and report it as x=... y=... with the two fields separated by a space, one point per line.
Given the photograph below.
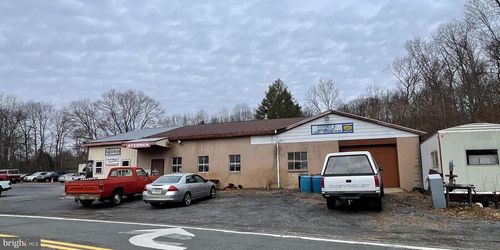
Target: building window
x=297 y=161
x=234 y=163
x=482 y=157
x=434 y=159
x=121 y=173
x=125 y=163
x=202 y=164
x=176 y=164
x=98 y=167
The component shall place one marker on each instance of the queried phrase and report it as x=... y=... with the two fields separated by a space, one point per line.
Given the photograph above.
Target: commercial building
x=265 y=153
x=472 y=149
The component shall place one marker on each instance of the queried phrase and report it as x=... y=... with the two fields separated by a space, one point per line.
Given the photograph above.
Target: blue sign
x=334 y=128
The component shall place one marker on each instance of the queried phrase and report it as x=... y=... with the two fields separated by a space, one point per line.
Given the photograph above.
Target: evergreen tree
x=278 y=103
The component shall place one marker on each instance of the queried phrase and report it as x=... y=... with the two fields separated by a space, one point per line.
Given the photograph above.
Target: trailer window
x=482 y=157
x=348 y=165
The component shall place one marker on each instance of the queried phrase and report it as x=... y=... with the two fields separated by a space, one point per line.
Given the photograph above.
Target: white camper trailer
x=473 y=148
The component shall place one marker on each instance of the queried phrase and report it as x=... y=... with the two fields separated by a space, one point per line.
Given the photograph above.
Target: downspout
x=278 y=161
x=277 y=158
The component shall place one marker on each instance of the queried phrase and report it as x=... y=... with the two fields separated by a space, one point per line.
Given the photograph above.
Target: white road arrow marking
x=146 y=238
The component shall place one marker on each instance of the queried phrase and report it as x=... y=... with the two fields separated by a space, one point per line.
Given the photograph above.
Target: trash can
x=305 y=183
x=436 y=186
x=316 y=183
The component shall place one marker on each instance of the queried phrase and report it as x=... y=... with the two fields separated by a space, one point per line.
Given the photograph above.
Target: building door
x=157 y=167
x=385 y=156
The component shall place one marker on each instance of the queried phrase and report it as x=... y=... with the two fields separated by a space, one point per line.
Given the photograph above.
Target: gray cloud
x=203 y=55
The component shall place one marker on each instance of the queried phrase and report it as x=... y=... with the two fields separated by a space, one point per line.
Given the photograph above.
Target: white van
x=351 y=176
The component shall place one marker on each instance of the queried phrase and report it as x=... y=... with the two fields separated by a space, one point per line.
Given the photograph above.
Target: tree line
x=449 y=79
x=37 y=136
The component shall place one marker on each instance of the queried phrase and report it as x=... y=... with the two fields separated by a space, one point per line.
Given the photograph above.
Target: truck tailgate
x=82 y=187
x=349 y=184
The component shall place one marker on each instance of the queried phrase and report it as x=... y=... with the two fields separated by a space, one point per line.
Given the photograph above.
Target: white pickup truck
x=4 y=186
x=351 y=176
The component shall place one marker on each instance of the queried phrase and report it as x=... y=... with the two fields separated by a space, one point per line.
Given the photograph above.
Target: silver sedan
x=178 y=187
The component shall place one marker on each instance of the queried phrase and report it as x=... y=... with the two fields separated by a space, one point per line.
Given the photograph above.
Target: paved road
x=123 y=235
x=277 y=213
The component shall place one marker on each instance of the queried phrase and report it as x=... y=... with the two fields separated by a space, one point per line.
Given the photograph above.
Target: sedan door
x=192 y=186
x=203 y=185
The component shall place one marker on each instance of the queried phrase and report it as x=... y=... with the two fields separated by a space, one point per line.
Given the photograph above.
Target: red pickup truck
x=121 y=181
x=12 y=174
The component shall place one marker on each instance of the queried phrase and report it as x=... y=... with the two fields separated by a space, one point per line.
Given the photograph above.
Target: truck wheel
x=377 y=204
x=330 y=203
x=86 y=203
x=212 y=193
x=116 y=197
x=187 y=199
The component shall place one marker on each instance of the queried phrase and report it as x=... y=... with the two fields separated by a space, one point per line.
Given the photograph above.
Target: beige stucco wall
x=316 y=153
x=410 y=170
x=98 y=154
x=257 y=161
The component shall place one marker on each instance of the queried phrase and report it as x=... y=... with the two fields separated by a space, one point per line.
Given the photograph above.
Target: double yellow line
x=52 y=244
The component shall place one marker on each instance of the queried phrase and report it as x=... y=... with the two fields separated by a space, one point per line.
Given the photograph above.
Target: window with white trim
x=176 y=164
x=203 y=164
x=297 y=161
x=482 y=156
x=434 y=159
x=125 y=163
x=234 y=163
x=98 y=167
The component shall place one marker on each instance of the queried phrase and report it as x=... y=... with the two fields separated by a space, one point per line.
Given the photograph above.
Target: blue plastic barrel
x=316 y=184
x=305 y=183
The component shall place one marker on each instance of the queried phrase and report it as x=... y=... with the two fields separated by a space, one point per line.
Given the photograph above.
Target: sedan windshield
x=168 y=179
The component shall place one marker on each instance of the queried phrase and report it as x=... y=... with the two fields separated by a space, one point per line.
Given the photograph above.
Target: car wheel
x=377 y=204
x=382 y=191
x=213 y=193
x=187 y=199
x=86 y=203
x=116 y=197
x=330 y=203
x=0 y=191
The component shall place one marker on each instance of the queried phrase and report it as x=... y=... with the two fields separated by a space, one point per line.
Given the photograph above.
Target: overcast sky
x=209 y=55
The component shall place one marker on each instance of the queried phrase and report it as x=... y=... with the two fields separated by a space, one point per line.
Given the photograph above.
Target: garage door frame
x=375 y=142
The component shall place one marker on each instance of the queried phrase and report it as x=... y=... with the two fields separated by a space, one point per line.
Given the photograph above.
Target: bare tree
x=323 y=96
x=61 y=128
x=242 y=112
x=129 y=110
x=221 y=116
x=11 y=116
x=87 y=119
x=39 y=117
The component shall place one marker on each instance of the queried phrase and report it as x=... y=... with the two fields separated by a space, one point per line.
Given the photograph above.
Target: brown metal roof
x=229 y=129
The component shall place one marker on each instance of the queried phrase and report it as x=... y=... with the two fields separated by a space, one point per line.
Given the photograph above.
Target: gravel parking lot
x=407 y=217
